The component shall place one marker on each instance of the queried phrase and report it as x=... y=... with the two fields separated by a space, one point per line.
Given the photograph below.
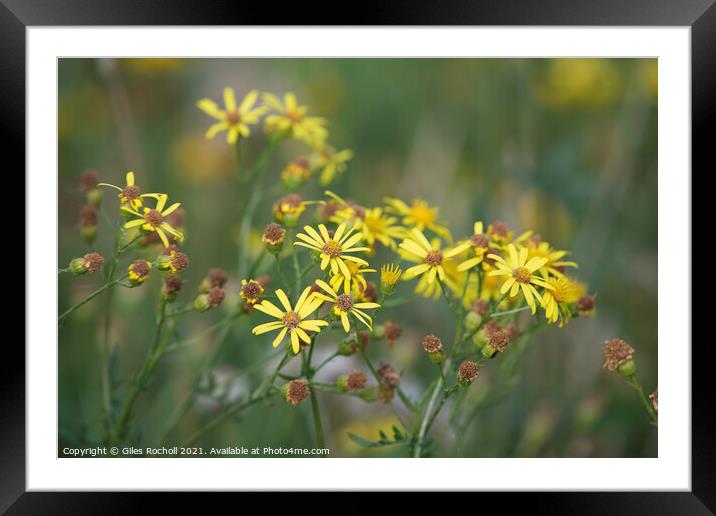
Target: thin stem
x=647 y=405
x=315 y=409
x=89 y=298
x=155 y=352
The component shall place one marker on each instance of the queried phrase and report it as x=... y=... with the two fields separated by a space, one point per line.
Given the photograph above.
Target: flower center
x=344 y=303
x=522 y=275
x=233 y=117
x=434 y=258
x=154 y=218
x=291 y=320
x=130 y=192
x=332 y=248
x=479 y=241
x=294 y=116
x=422 y=214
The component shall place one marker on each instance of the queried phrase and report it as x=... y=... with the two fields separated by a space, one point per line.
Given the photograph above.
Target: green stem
x=89 y=298
x=155 y=353
x=647 y=405
x=315 y=409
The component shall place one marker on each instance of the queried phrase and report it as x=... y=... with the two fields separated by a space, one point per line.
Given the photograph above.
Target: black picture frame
x=17 y=15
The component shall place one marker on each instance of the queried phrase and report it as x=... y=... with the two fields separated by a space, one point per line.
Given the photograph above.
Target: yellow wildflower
x=356 y=280
x=334 y=249
x=427 y=254
x=291 y=319
x=234 y=120
x=291 y=118
x=343 y=305
x=554 y=264
x=520 y=274
x=154 y=219
x=478 y=242
x=131 y=194
x=420 y=215
x=555 y=301
x=331 y=162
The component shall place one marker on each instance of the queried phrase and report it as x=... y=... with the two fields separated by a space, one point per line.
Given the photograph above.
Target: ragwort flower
x=291 y=118
x=154 y=219
x=520 y=274
x=234 y=120
x=343 y=305
x=291 y=319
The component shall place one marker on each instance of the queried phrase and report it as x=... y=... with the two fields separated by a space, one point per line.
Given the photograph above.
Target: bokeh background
x=567 y=147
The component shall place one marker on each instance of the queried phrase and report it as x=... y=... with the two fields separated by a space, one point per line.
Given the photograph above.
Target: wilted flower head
x=172 y=286
x=296 y=173
x=91 y=262
x=467 y=372
x=391 y=332
x=355 y=381
x=288 y=209
x=616 y=353
x=251 y=291
x=654 y=397
x=585 y=305
x=214 y=278
x=432 y=344
x=215 y=296
x=88 y=181
x=295 y=391
x=273 y=237
x=138 y=271
x=388 y=376
x=175 y=262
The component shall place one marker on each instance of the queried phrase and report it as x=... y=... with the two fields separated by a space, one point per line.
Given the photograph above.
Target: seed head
x=585 y=305
x=88 y=181
x=93 y=262
x=654 y=397
x=391 y=332
x=467 y=372
x=273 y=234
x=215 y=296
x=388 y=376
x=88 y=215
x=616 y=353
x=432 y=344
x=172 y=284
x=296 y=391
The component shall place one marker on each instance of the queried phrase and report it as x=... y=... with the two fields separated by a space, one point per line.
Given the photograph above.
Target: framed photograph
x=441 y=251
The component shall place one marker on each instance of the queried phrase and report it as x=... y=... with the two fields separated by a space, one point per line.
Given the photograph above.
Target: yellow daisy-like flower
x=520 y=274
x=389 y=276
x=427 y=254
x=356 y=280
x=555 y=301
x=334 y=250
x=343 y=305
x=130 y=195
x=554 y=264
x=291 y=320
x=373 y=223
x=478 y=242
x=331 y=162
x=291 y=117
x=420 y=215
x=155 y=219
x=234 y=120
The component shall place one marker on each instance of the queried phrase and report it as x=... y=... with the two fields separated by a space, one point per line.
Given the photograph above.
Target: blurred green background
x=567 y=147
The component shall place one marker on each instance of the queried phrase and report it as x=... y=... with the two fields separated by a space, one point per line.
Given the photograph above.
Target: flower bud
x=77 y=266
x=91 y=262
x=88 y=233
x=472 y=321
x=296 y=173
x=201 y=303
x=369 y=394
x=349 y=345
x=627 y=369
